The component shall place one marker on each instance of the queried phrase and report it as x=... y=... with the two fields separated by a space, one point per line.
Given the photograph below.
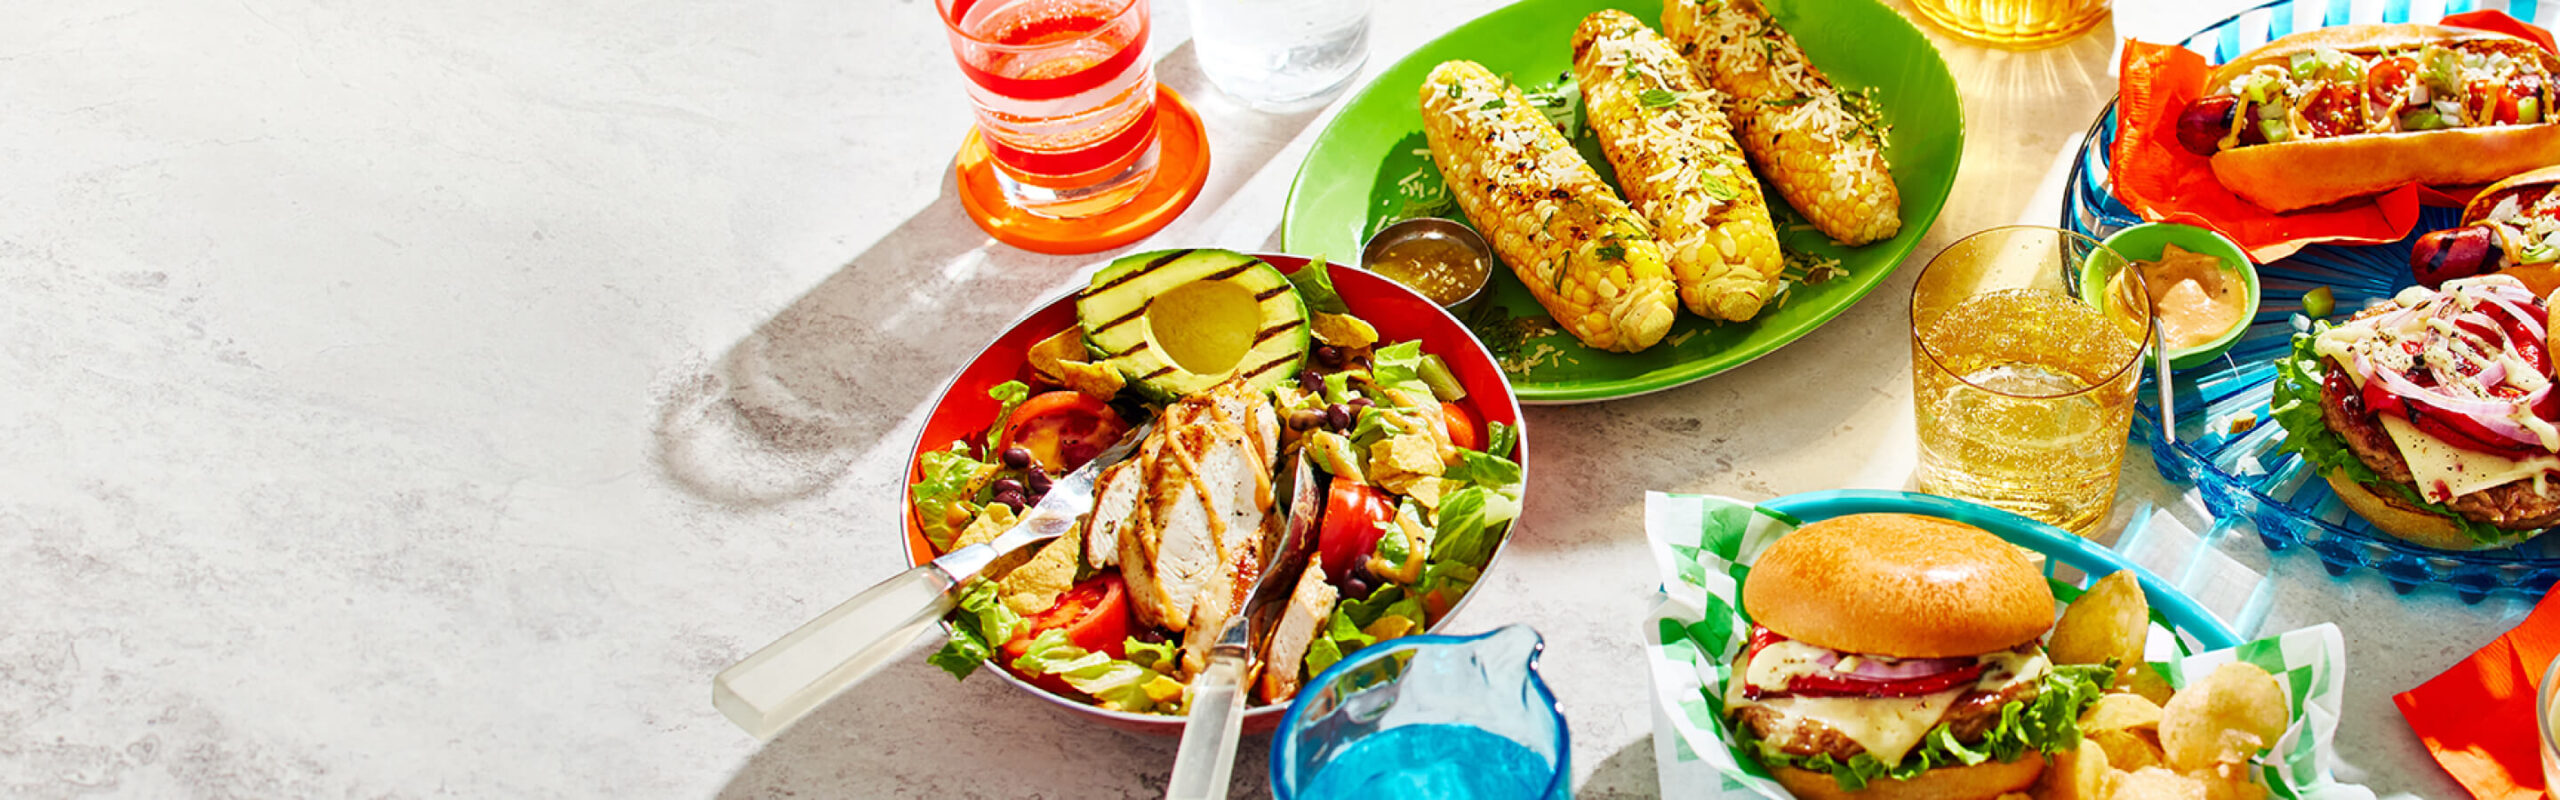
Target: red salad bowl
x=963 y=409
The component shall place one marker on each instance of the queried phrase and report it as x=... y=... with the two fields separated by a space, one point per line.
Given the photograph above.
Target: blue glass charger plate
x=2242 y=474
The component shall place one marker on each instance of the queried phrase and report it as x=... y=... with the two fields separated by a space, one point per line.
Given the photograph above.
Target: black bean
x=1148 y=635
x=1015 y=500
x=1355 y=586
x=1308 y=380
x=1338 y=417
x=1358 y=403
x=1008 y=486
x=1017 y=458
x=1329 y=356
x=1306 y=419
x=1039 y=482
x=1359 y=565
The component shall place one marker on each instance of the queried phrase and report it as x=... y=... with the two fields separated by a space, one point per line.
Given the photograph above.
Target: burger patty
x=1970 y=719
x=2514 y=505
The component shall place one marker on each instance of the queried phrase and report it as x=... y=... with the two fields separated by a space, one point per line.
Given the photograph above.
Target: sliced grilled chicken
x=1116 y=498
x=1309 y=605
x=1196 y=537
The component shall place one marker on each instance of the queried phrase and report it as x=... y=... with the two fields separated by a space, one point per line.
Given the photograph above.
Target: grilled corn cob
x=1585 y=255
x=1824 y=149
x=1666 y=133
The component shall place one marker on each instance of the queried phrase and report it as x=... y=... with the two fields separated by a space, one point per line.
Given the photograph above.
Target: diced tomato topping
x=2331 y=111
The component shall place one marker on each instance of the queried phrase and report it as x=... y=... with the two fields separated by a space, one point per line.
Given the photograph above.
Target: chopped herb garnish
x=1658 y=98
x=1495 y=103
x=1610 y=252
x=1717 y=188
x=1791 y=102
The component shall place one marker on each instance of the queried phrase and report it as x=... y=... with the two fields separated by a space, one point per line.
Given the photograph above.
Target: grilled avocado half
x=1177 y=322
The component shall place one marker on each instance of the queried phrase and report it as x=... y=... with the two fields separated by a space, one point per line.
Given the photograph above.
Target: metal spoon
x=1205 y=763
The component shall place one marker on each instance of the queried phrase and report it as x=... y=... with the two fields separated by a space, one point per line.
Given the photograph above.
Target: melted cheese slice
x=1888 y=727
x=2443 y=471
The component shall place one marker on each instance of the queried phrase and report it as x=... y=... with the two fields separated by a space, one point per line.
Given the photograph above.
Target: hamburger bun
x=2294 y=175
x=2287 y=176
x=2389 y=515
x=1899 y=585
x=1982 y=781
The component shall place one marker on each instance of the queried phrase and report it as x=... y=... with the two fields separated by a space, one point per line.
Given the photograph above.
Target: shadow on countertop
x=787 y=409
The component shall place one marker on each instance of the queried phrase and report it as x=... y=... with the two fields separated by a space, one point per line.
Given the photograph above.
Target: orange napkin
x=2159 y=180
x=2477 y=718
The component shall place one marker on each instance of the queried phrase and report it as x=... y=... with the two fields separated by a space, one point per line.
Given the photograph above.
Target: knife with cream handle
x=787 y=679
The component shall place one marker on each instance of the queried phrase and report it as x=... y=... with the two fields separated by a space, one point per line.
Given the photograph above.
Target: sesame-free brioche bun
x=1982 y=781
x=1899 y=585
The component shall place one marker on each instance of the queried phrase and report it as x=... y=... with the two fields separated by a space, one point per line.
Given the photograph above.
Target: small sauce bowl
x=1440 y=259
x=2145 y=242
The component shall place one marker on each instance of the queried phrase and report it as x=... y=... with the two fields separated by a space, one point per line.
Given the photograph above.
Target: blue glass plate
x=2242 y=474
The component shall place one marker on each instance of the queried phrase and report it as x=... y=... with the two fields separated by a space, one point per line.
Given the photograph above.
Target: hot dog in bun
x=2514 y=223
x=2338 y=112
x=2433 y=415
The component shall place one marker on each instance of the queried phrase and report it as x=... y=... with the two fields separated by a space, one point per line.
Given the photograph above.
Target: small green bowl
x=2145 y=242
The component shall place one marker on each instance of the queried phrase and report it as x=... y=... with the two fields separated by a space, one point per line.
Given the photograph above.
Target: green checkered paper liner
x=1704 y=547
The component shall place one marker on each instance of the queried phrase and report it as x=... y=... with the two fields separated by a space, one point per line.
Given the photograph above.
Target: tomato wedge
x=1095 y=615
x=1462 y=427
x=1354 y=514
x=1062 y=429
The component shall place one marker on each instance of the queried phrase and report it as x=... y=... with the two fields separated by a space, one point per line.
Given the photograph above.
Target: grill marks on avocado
x=1180 y=321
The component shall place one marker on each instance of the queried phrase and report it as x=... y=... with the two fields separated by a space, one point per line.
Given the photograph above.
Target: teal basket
x=2198 y=629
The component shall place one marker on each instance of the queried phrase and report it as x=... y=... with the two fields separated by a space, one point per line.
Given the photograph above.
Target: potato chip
x=2224 y=719
x=2141 y=680
x=2153 y=783
x=2076 y=775
x=2121 y=712
x=2229 y=782
x=2127 y=750
x=2110 y=621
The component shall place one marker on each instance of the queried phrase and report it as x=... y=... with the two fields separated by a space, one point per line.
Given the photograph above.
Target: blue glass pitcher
x=1460 y=718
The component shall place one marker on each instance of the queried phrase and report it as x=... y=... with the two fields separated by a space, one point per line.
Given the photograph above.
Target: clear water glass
x=1427 y=717
x=1280 y=55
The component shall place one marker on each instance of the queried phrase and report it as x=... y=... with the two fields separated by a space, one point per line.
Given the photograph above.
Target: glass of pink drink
x=1066 y=99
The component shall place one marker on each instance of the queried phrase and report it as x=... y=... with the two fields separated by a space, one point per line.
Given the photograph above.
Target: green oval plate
x=1367 y=166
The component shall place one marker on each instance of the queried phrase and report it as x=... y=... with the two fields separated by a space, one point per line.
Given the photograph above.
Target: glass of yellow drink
x=2015 y=24
x=2025 y=348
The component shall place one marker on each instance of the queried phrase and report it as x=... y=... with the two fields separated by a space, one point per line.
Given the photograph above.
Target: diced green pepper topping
x=2275 y=131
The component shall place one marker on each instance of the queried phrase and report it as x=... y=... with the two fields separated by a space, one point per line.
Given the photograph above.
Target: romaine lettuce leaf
x=1315 y=286
x=1399 y=367
x=944 y=497
x=2049 y=723
x=1118 y=684
x=1471 y=523
x=1009 y=395
x=1499 y=439
x=979 y=623
x=2296 y=406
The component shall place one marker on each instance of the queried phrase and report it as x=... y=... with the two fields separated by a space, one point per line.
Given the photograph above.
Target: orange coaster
x=1182 y=165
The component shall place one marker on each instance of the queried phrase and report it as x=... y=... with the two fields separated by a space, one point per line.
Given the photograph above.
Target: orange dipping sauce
x=2194 y=297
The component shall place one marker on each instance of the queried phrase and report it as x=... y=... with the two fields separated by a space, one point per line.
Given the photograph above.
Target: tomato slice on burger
x=1062 y=429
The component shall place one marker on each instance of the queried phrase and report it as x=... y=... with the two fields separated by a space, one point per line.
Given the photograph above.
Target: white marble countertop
x=426 y=399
